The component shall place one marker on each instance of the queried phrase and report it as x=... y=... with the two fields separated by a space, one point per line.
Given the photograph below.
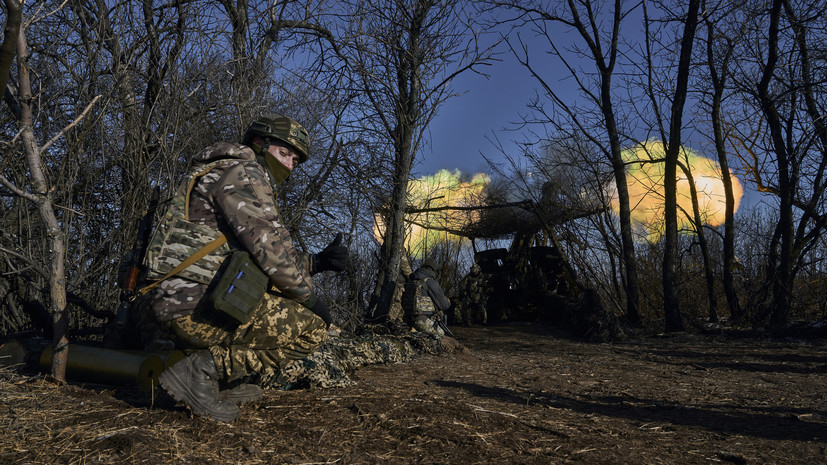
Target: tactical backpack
x=176 y=239
x=415 y=299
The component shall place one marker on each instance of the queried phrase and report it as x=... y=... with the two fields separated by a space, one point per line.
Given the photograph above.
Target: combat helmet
x=274 y=126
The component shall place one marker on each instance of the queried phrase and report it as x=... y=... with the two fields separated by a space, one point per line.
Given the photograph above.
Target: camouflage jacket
x=431 y=288
x=236 y=198
x=473 y=287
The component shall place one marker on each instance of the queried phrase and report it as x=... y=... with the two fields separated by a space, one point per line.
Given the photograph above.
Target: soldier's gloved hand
x=320 y=309
x=333 y=257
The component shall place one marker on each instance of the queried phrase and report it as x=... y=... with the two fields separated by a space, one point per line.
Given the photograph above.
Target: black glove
x=333 y=257
x=320 y=309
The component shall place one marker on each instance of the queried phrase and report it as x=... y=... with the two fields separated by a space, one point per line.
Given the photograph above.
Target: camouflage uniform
x=235 y=197
x=279 y=331
x=424 y=301
x=334 y=362
x=473 y=285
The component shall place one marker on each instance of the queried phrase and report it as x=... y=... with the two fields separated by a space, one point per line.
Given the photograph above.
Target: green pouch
x=240 y=288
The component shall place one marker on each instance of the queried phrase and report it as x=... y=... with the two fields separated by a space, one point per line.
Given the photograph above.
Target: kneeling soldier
x=225 y=207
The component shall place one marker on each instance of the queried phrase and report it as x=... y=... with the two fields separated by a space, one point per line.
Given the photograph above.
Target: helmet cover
x=283 y=128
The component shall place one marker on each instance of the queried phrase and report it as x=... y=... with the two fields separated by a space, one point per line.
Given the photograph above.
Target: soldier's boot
x=194 y=381
x=241 y=394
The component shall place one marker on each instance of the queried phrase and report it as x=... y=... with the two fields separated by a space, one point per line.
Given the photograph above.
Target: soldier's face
x=285 y=155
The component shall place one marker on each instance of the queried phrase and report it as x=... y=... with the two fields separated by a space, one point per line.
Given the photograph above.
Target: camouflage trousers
x=279 y=331
x=476 y=313
x=428 y=324
x=468 y=313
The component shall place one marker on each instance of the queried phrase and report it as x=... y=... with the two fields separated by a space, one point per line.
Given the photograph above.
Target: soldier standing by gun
x=474 y=290
x=424 y=301
x=214 y=306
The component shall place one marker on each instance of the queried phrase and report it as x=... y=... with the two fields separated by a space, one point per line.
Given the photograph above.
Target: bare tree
x=599 y=33
x=41 y=193
x=673 y=149
x=404 y=55
x=780 y=78
x=719 y=56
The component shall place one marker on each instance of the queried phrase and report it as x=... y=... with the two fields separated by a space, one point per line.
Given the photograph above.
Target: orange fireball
x=644 y=178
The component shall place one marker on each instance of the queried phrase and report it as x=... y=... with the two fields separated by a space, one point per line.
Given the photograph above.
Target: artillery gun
x=532 y=279
x=527 y=282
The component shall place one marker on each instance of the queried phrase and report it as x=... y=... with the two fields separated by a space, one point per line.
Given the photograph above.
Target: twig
x=71 y=125
x=115 y=433
x=480 y=409
x=31 y=264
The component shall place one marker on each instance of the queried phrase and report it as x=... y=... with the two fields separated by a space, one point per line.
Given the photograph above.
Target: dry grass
x=519 y=395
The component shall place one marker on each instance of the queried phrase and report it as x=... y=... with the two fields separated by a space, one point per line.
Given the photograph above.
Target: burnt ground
x=519 y=394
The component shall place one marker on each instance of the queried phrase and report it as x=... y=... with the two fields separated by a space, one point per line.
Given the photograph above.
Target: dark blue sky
x=459 y=131
x=465 y=124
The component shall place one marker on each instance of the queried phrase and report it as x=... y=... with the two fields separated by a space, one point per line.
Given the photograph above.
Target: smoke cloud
x=644 y=177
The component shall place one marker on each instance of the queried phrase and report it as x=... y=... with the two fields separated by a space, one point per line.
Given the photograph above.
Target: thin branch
x=71 y=125
x=21 y=193
x=43 y=273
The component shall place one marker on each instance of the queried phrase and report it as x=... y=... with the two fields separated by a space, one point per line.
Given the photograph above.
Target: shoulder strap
x=203 y=251
x=424 y=283
x=191 y=185
x=218 y=242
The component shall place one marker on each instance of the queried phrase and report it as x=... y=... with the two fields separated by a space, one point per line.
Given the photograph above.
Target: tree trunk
x=670 y=298
x=719 y=80
x=709 y=274
x=394 y=243
x=11 y=32
x=631 y=281
x=781 y=276
x=54 y=233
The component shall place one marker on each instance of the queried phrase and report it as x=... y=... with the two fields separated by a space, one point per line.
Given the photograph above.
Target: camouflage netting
x=330 y=366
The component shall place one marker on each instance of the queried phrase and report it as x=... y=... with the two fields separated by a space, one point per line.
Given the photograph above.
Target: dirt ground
x=519 y=394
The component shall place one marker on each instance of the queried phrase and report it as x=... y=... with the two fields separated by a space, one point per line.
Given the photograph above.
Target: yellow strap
x=216 y=243
x=204 y=250
x=190 y=186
